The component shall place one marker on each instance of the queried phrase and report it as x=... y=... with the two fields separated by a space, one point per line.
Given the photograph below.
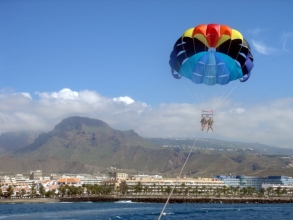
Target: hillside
x=95 y=145
x=185 y=143
x=10 y=141
x=84 y=145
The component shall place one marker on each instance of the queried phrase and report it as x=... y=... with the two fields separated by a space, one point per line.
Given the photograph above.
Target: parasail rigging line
x=174 y=186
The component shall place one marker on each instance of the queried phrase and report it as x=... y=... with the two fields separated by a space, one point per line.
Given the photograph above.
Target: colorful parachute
x=211 y=54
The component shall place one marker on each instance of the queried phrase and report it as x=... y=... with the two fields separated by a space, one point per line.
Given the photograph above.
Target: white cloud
x=268 y=123
x=62 y=94
x=27 y=95
x=90 y=97
x=255 y=31
x=259 y=31
x=126 y=100
x=284 y=39
x=262 y=48
x=237 y=111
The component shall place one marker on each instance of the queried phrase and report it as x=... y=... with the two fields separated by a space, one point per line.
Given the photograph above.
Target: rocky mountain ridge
x=85 y=145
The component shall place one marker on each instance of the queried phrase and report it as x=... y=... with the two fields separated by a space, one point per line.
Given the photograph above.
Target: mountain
x=10 y=141
x=85 y=145
x=92 y=145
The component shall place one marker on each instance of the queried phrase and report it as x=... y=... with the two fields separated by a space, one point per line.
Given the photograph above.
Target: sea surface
x=130 y=210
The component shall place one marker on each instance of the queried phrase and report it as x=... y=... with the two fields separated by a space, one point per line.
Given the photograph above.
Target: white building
x=91 y=180
x=121 y=176
x=158 y=185
x=20 y=179
x=276 y=186
x=7 y=180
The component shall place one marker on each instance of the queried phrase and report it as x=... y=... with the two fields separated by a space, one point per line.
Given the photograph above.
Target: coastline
x=145 y=199
x=29 y=200
x=142 y=199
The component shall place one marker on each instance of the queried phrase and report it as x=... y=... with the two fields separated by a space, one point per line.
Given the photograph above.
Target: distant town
x=72 y=185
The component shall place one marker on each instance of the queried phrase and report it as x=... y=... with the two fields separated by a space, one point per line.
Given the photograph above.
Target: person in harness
x=203 y=122
x=210 y=124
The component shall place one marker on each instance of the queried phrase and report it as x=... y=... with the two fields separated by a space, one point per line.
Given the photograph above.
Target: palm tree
x=145 y=190
x=98 y=189
x=183 y=188
x=224 y=190
x=195 y=190
x=218 y=191
x=138 y=188
x=244 y=191
x=168 y=190
x=154 y=188
x=73 y=190
x=42 y=190
x=10 y=191
x=109 y=188
x=186 y=190
x=250 y=190
x=80 y=190
x=209 y=190
x=175 y=191
x=203 y=190
x=62 y=190
x=123 y=187
x=49 y=193
x=269 y=190
x=261 y=192
x=22 y=192
x=291 y=191
x=231 y=190
x=33 y=191
x=284 y=191
x=278 y=191
x=236 y=190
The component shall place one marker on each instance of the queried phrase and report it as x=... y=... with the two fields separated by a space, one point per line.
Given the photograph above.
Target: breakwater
x=179 y=200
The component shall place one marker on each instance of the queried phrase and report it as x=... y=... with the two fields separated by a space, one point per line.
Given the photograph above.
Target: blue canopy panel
x=248 y=66
x=211 y=68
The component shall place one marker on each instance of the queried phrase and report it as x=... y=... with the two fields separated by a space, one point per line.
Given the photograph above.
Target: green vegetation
x=9 y=191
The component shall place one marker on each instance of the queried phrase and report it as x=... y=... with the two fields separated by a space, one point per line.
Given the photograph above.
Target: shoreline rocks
x=150 y=199
x=179 y=200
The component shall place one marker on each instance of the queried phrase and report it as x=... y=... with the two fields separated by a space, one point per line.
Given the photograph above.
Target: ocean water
x=128 y=210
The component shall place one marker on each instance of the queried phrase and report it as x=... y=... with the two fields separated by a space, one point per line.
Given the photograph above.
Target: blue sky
x=109 y=60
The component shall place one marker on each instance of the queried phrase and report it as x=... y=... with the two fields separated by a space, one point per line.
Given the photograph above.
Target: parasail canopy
x=211 y=54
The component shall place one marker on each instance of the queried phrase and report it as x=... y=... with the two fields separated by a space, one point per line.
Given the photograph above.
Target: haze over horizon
x=109 y=60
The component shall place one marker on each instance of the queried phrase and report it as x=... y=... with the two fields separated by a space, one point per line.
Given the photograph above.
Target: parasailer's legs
x=203 y=126
x=210 y=124
x=210 y=127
